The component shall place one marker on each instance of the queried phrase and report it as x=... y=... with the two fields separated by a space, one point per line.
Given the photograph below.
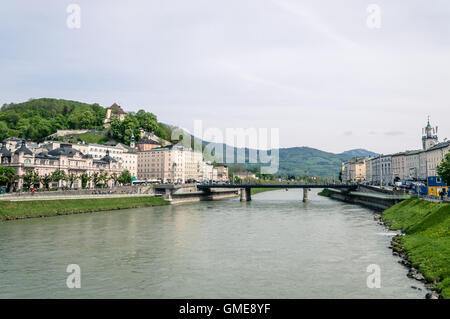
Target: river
x=272 y=247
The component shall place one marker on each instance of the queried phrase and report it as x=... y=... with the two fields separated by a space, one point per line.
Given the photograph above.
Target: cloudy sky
x=313 y=69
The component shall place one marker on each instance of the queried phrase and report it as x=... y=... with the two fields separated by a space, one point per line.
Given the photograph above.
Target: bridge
x=245 y=188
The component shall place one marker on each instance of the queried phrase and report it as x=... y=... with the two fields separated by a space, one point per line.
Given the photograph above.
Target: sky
x=316 y=70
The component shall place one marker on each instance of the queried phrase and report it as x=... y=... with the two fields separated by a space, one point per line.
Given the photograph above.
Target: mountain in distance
x=309 y=161
x=300 y=161
x=359 y=152
x=296 y=161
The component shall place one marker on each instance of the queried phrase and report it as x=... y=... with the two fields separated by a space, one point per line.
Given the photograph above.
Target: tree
x=85 y=178
x=82 y=118
x=125 y=177
x=46 y=180
x=96 y=178
x=103 y=178
x=30 y=178
x=147 y=121
x=122 y=131
x=72 y=178
x=7 y=176
x=444 y=169
x=3 y=130
x=114 y=177
x=58 y=175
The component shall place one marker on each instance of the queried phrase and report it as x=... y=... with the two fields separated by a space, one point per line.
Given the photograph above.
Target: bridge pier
x=306 y=195
x=246 y=194
x=168 y=195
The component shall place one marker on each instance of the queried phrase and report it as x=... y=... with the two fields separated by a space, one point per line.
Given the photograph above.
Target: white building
x=369 y=170
x=193 y=165
x=382 y=174
x=412 y=160
x=399 y=166
x=386 y=168
x=98 y=150
x=129 y=159
x=435 y=155
x=354 y=170
x=207 y=171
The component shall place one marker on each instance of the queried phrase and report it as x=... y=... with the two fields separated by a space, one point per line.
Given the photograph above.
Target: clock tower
x=429 y=136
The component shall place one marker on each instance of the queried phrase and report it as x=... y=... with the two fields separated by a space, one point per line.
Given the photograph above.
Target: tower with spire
x=429 y=136
x=132 y=143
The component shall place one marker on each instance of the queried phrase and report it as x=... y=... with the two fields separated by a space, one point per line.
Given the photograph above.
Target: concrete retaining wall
x=374 y=201
x=178 y=198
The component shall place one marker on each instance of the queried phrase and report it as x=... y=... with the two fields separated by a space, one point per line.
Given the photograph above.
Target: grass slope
x=427 y=239
x=44 y=208
x=325 y=193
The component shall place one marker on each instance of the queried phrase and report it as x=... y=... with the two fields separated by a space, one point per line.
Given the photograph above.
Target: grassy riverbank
x=427 y=239
x=44 y=208
x=325 y=192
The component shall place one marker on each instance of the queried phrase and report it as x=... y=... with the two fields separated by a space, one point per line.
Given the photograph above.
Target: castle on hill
x=113 y=112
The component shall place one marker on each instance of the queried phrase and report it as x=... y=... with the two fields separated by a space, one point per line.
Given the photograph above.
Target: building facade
x=128 y=158
x=412 y=161
x=354 y=171
x=399 y=166
x=434 y=157
x=222 y=172
x=369 y=170
x=65 y=158
x=164 y=164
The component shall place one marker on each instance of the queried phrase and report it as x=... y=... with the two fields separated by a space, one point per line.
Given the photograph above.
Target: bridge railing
x=281 y=185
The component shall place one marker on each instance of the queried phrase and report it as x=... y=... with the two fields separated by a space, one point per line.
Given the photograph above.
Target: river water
x=273 y=247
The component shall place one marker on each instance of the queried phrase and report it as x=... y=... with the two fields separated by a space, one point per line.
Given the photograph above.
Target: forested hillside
x=38 y=118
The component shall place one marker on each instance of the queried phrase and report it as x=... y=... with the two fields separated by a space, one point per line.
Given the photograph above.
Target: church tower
x=132 y=143
x=429 y=136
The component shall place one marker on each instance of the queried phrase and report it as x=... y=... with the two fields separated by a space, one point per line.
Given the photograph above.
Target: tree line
x=8 y=176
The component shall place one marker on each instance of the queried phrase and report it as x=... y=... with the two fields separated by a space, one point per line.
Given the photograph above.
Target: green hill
x=36 y=119
x=296 y=161
x=309 y=161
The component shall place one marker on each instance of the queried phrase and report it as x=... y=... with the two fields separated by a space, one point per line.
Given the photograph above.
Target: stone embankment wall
x=187 y=197
x=377 y=201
